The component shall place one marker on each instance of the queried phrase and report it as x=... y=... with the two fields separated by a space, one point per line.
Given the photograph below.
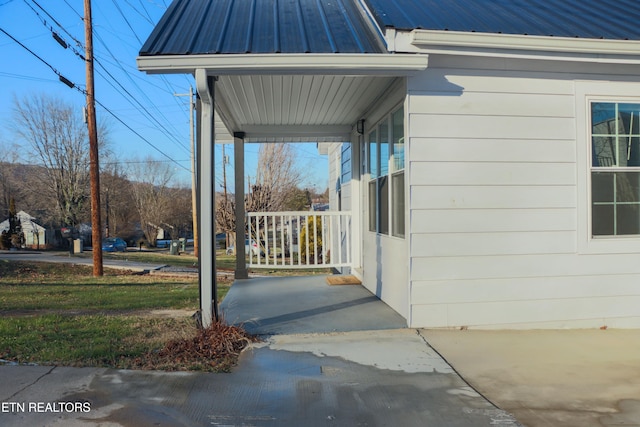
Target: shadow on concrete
x=306 y=304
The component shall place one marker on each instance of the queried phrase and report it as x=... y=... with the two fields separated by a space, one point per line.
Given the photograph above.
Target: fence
x=299 y=239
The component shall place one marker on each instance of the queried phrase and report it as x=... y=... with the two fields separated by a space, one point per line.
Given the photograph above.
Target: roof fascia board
x=511 y=45
x=282 y=64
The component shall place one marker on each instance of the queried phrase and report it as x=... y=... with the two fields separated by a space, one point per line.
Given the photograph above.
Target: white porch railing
x=299 y=239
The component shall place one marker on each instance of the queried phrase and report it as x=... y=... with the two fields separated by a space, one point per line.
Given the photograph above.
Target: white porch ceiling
x=296 y=108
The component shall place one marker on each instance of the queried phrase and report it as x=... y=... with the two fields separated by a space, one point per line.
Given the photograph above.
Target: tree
x=117 y=202
x=276 y=176
x=151 y=195
x=275 y=187
x=12 y=179
x=14 y=237
x=57 y=135
x=298 y=199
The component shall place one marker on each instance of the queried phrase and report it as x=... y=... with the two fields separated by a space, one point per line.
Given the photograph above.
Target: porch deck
x=305 y=304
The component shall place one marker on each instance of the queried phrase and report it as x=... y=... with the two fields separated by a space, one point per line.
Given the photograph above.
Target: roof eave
x=304 y=64
x=559 y=48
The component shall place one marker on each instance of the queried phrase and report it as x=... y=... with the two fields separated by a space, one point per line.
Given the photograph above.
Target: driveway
x=581 y=378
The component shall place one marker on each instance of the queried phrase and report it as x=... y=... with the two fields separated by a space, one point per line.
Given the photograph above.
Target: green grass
x=68 y=340
x=59 y=313
x=38 y=286
x=54 y=313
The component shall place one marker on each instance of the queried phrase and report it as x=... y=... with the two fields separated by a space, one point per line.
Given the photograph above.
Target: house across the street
x=35 y=235
x=488 y=151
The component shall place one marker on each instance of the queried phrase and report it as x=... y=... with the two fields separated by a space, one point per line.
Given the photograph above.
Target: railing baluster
x=339 y=240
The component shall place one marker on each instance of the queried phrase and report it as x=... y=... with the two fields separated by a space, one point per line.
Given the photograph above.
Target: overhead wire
x=169 y=133
x=143 y=93
x=124 y=17
x=83 y=91
x=58 y=73
x=130 y=97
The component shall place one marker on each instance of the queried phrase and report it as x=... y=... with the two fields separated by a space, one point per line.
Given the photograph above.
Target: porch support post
x=206 y=195
x=356 y=203
x=238 y=159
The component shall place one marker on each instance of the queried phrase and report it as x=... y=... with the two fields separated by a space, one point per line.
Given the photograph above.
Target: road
x=39 y=256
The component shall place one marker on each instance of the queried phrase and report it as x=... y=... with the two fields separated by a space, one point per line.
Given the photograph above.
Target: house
x=35 y=235
x=487 y=150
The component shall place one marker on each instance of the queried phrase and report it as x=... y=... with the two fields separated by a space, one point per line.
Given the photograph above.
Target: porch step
x=346 y=279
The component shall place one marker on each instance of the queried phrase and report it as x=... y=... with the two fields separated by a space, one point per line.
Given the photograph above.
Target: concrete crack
x=8 y=399
x=455 y=370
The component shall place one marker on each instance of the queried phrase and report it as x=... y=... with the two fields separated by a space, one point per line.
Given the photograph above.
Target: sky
x=145 y=116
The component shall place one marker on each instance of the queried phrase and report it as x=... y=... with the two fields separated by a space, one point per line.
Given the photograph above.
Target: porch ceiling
x=296 y=108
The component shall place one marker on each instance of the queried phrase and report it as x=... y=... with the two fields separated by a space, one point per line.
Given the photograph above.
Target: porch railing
x=299 y=239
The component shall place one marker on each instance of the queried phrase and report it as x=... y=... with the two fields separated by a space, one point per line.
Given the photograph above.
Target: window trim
x=391 y=172
x=587 y=92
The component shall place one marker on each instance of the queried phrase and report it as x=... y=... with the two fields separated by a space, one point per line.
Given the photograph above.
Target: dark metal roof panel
x=594 y=19
x=262 y=26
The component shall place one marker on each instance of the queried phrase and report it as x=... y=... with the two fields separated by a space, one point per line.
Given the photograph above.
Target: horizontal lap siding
x=492 y=180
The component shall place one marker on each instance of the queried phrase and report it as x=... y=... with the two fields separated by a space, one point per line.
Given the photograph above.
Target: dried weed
x=213 y=349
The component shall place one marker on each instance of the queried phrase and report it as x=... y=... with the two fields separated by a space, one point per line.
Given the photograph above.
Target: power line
x=74 y=86
x=62 y=78
x=164 y=79
x=23 y=77
x=78 y=43
x=140 y=136
x=130 y=97
x=169 y=134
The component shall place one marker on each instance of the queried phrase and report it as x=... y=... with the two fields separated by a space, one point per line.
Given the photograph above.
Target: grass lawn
x=60 y=314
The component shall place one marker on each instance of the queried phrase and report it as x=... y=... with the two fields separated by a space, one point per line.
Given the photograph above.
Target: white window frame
x=391 y=172
x=588 y=92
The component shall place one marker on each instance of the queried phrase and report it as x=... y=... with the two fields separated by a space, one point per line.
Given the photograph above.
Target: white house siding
x=496 y=190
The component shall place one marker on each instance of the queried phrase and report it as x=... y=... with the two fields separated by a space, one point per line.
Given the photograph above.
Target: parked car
x=114 y=244
x=255 y=250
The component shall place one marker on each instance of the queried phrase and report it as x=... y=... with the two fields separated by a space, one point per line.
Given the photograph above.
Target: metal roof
x=262 y=26
x=593 y=19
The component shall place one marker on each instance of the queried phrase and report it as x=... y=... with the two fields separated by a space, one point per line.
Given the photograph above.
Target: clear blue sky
x=149 y=120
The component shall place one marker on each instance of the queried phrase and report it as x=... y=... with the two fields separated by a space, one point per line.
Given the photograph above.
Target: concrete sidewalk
x=578 y=378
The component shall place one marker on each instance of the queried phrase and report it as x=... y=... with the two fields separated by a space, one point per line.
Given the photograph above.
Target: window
x=345 y=163
x=373 y=167
x=386 y=176
x=615 y=168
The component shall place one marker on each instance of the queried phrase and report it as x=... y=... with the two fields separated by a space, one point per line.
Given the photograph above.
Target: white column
x=206 y=193
x=238 y=160
x=356 y=202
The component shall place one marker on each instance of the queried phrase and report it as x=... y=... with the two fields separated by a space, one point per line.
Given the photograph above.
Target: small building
x=35 y=235
x=488 y=151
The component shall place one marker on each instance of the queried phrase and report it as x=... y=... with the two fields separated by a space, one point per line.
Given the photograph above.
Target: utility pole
x=94 y=166
x=194 y=205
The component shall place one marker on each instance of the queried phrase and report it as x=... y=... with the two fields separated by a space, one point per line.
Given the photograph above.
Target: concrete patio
x=297 y=305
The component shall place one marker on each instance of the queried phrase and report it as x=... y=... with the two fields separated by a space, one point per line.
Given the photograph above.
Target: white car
x=255 y=250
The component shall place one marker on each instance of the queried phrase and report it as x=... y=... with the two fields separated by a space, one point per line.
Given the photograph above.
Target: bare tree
x=57 y=135
x=276 y=176
x=276 y=184
x=120 y=216
x=151 y=193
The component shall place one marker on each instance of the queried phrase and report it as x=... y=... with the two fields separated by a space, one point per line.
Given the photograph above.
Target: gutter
x=515 y=45
x=286 y=64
